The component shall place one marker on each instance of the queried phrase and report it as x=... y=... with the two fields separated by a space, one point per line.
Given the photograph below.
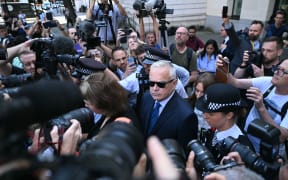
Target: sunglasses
x=160 y=84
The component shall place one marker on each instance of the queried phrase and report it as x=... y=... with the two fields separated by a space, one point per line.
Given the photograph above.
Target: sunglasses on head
x=161 y=84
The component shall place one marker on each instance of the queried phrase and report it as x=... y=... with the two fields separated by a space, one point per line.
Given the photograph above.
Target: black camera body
x=269 y=136
x=16 y=79
x=157 y=7
x=85 y=31
x=106 y=7
x=126 y=31
x=251 y=159
x=204 y=160
x=84 y=115
x=255 y=57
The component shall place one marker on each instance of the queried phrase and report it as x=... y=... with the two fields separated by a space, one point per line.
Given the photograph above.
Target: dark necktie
x=154 y=116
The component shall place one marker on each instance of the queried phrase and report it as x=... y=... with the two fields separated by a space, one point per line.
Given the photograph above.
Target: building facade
x=208 y=13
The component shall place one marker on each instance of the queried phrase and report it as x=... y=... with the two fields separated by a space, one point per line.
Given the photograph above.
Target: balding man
x=183 y=55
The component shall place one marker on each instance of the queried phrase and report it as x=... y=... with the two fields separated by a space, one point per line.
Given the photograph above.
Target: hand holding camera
x=70 y=139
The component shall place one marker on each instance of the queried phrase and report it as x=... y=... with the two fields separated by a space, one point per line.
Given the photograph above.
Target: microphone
x=63 y=45
x=39 y=102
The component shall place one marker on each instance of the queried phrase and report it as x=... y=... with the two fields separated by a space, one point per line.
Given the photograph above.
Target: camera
x=147 y=7
x=50 y=24
x=175 y=152
x=269 y=136
x=126 y=31
x=106 y=7
x=114 y=152
x=255 y=57
x=85 y=31
x=16 y=79
x=204 y=160
x=251 y=159
x=84 y=115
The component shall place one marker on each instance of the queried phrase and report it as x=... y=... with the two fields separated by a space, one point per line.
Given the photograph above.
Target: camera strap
x=283 y=109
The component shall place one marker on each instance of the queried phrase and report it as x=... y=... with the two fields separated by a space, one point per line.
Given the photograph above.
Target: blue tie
x=154 y=116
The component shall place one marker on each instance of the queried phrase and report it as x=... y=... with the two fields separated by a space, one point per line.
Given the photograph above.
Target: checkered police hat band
x=216 y=106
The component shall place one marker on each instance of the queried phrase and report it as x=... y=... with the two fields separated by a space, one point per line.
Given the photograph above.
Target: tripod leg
x=112 y=30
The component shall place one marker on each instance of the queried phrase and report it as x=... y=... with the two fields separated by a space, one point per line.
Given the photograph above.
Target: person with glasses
x=183 y=55
x=137 y=83
x=162 y=112
x=124 y=65
x=277 y=97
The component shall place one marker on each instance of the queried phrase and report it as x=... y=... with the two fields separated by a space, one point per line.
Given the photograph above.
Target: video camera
x=50 y=52
x=86 y=30
x=106 y=7
x=16 y=79
x=251 y=159
x=204 y=160
x=147 y=7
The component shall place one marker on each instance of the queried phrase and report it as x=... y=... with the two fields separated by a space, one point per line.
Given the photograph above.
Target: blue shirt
x=205 y=65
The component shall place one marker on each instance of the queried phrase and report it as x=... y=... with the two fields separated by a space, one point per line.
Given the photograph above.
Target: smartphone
x=49 y=16
x=50 y=24
x=224 y=11
x=222 y=72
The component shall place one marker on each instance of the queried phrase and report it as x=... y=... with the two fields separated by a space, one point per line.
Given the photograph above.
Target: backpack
x=284 y=107
x=189 y=53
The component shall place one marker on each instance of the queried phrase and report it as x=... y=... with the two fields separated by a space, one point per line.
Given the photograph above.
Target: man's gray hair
x=165 y=64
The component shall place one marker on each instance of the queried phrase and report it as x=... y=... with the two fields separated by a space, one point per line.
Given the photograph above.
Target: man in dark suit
x=174 y=117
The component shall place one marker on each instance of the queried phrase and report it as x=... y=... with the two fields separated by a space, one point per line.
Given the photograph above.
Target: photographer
x=251 y=42
x=269 y=95
x=27 y=58
x=137 y=82
x=151 y=38
x=106 y=9
x=256 y=64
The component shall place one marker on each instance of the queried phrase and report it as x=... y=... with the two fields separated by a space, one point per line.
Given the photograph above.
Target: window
x=236 y=10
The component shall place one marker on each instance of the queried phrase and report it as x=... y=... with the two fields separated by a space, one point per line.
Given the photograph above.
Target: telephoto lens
x=204 y=160
x=114 y=152
x=175 y=152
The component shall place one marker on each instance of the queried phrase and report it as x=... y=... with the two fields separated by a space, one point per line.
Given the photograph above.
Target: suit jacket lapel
x=149 y=109
x=165 y=114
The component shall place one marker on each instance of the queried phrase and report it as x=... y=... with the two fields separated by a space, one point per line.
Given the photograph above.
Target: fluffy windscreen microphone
x=63 y=45
x=41 y=101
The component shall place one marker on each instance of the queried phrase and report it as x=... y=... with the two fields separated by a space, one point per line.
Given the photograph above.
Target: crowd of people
x=125 y=76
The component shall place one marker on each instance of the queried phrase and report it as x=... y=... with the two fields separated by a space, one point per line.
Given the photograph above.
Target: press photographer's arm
x=255 y=94
x=5 y=64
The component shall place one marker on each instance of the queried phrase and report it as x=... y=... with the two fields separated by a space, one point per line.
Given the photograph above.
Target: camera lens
x=114 y=151
x=203 y=157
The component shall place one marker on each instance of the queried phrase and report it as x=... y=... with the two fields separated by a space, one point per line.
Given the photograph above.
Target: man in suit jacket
x=176 y=119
